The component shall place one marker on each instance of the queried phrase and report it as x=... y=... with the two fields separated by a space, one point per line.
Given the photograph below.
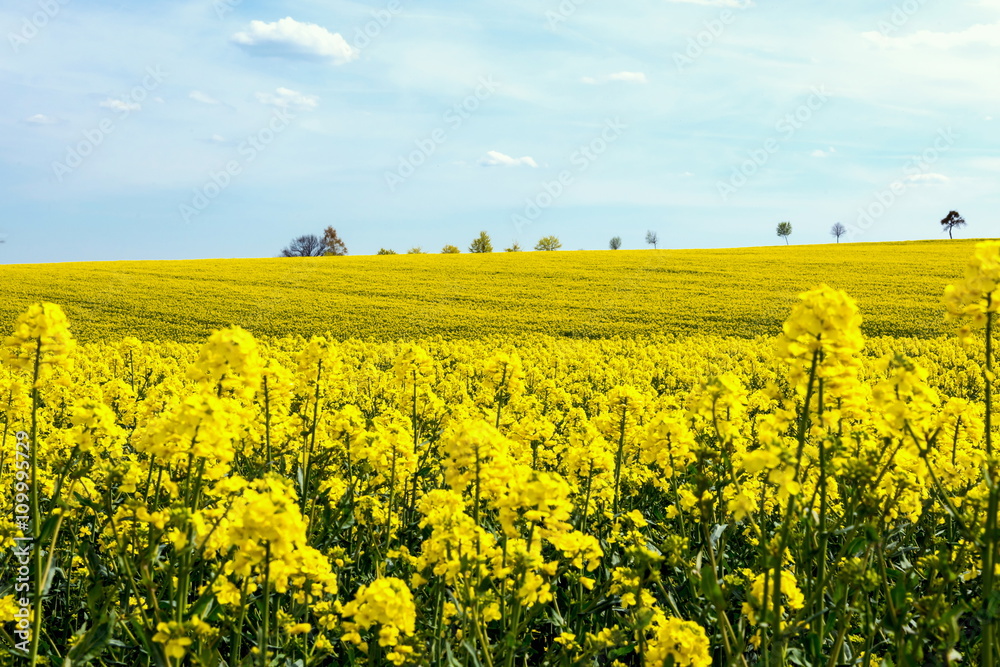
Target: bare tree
x=616 y=242
x=652 y=239
x=308 y=245
x=837 y=231
x=784 y=230
x=952 y=220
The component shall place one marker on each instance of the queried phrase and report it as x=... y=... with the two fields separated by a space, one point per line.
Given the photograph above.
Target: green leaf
x=856 y=546
x=471 y=650
x=709 y=585
x=620 y=651
x=450 y=655
x=92 y=644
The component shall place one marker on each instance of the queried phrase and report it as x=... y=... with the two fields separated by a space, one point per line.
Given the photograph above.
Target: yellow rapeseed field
x=752 y=481
x=741 y=292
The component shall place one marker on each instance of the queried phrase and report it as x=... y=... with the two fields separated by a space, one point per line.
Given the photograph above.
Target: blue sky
x=224 y=128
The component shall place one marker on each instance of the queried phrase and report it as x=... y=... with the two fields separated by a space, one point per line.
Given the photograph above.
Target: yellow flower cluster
x=979 y=294
x=387 y=603
x=684 y=643
x=40 y=341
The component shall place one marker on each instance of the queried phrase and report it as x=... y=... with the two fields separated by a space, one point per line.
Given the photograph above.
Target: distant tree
x=383 y=251
x=415 y=250
x=784 y=230
x=548 y=243
x=482 y=243
x=515 y=247
x=616 y=242
x=332 y=245
x=450 y=250
x=652 y=239
x=308 y=245
x=952 y=220
x=837 y=231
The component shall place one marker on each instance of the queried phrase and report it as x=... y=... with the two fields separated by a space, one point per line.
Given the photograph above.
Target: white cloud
x=736 y=4
x=120 y=105
x=285 y=98
x=928 y=179
x=819 y=152
x=199 y=96
x=498 y=159
x=41 y=119
x=218 y=138
x=988 y=35
x=291 y=39
x=628 y=77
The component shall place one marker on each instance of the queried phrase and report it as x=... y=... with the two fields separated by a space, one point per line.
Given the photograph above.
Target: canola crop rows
x=812 y=498
x=736 y=292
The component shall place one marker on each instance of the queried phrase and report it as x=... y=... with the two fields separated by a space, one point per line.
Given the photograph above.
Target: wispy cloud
x=498 y=159
x=980 y=34
x=289 y=38
x=286 y=98
x=627 y=77
x=41 y=119
x=120 y=105
x=199 y=96
x=928 y=179
x=819 y=152
x=736 y=4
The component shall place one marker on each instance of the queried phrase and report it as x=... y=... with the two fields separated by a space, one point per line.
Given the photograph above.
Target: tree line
x=949 y=223
x=310 y=245
x=330 y=244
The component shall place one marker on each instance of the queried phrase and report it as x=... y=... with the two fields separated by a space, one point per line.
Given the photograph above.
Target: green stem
x=990 y=541
x=265 y=629
x=267 y=424
x=36 y=620
x=237 y=635
x=618 y=456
